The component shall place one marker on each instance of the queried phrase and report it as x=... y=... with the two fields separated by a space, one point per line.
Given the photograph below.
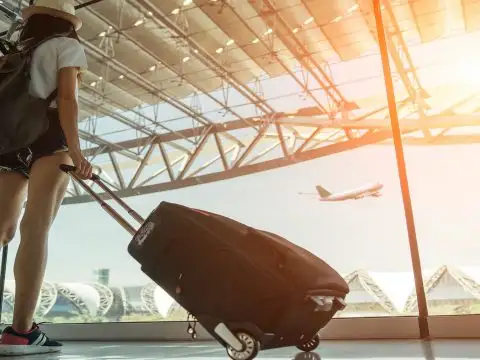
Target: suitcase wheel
x=250 y=350
x=310 y=345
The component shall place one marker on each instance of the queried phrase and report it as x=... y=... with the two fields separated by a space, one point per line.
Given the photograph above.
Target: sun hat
x=63 y=9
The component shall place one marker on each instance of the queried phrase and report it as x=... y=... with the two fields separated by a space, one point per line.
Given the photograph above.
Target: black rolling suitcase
x=248 y=288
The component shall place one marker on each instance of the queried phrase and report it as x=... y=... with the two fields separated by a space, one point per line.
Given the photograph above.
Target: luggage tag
x=144 y=232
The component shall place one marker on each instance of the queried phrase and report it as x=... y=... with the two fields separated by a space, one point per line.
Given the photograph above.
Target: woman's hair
x=39 y=27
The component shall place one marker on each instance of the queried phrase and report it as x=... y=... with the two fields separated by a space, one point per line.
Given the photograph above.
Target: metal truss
x=147 y=294
x=48 y=297
x=398 y=50
x=75 y=299
x=106 y=298
x=116 y=30
x=288 y=36
x=399 y=53
x=182 y=35
x=370 y=286
x=281 y=141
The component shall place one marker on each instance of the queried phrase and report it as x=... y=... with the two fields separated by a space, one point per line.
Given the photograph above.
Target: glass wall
x=445 y=200
x=91 y=277
x=443 y=176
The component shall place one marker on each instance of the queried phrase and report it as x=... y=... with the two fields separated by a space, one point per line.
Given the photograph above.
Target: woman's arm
x=68 y=107
x=68 y=113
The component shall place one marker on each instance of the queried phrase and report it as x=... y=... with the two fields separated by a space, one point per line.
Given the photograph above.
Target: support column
x=402 y=172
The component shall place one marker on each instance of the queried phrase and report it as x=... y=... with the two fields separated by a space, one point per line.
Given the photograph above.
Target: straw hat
x=63 y=9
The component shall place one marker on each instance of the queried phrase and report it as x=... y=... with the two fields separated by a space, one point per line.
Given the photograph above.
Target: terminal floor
x=342 y=350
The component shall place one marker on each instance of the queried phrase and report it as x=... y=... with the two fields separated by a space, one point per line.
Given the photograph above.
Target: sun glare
x=468 y=72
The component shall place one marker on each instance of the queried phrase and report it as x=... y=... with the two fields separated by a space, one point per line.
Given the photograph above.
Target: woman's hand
x=83 y=167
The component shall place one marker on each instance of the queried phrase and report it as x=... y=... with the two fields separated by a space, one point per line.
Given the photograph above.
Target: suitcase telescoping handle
x=69 y=169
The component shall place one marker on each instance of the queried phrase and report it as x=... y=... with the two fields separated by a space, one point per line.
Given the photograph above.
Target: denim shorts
x=51 y=142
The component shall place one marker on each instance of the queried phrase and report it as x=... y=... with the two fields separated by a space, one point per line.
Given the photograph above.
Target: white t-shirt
x=48 y=59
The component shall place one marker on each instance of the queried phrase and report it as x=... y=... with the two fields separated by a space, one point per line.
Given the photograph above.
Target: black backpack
x=23 y=117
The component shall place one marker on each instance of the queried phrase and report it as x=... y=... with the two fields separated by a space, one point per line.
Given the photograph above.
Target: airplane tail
x=322 y=192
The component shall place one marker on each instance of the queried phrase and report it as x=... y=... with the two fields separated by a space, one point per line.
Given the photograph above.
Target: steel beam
x=368 y=139
x=403 y=176
x=281 y=62
x=146 y=84
x=402 y=59
x=202 y=55
x=142 y=82
x=303 y=56
x=367 y=130
x=140 y=46
x=432 y=122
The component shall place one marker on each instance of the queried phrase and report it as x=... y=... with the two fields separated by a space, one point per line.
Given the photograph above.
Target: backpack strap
x=30 y=48
x=52 y=96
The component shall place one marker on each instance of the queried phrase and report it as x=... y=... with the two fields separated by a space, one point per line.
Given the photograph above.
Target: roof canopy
x=181 y=92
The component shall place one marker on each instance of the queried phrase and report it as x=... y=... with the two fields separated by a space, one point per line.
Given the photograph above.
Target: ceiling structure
x=186 y=92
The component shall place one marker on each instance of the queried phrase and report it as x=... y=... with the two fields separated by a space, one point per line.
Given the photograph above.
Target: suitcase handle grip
x=69 y=168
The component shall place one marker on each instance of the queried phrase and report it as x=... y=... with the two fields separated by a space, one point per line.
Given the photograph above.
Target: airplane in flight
x=369 y=190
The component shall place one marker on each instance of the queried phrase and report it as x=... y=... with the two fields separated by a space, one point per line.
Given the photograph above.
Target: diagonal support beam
x=141 y=166
x=166 y=160
x=221 y=151
x=252 y=145
x=116 y=168
x=195 y=154
x=402 y=59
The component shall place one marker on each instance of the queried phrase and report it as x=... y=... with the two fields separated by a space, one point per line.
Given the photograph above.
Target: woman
x=56 y=64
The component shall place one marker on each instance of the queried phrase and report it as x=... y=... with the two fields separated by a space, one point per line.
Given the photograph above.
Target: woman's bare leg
x=46 y=190
x=13 y=188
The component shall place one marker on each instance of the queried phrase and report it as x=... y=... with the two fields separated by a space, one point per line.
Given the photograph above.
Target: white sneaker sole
x=17 y=350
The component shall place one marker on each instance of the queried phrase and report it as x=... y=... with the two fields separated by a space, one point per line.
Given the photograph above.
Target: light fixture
x=175 y=11
x=152 y=68
x=219 y=50
x=187 y=2
x=230 y=42
x=93 y=83
x=309 y=20
x=121 y=77
x=255 y=41
x=150 y=13
x=337 y=19
x=295 y=30
x=100 y=78
x=186 y=58
x=353 y=8
x=195 y=51
x=110 y=28
x=269 y=31
x=138 y=22
x=102 y=34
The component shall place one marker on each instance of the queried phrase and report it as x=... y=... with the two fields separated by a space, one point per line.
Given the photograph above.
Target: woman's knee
x=7 y=233
x=34 y=227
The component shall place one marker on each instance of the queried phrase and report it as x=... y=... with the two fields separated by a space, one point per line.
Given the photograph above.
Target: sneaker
x=33 y=342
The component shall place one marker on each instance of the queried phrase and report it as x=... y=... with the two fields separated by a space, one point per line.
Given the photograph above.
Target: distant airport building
x=450 y=290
